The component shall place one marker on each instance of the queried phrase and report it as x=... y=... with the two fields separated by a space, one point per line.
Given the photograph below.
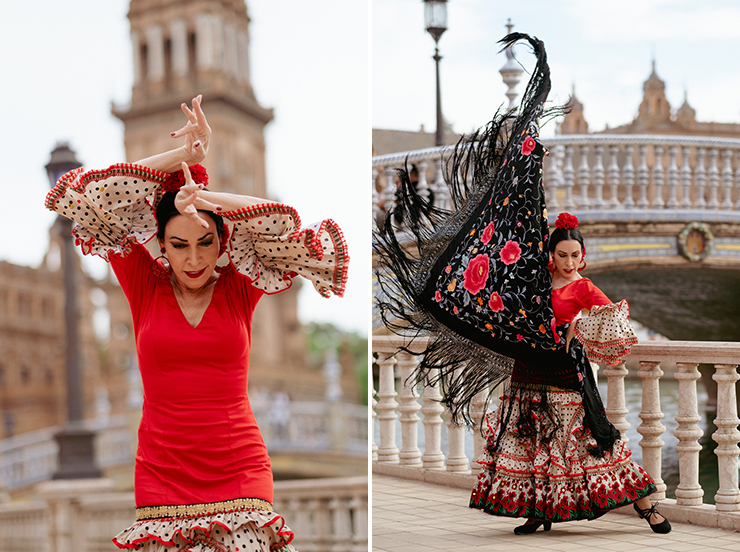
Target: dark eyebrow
x=209 y=234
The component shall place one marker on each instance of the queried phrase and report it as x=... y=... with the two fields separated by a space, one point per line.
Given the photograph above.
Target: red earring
x=159 y=268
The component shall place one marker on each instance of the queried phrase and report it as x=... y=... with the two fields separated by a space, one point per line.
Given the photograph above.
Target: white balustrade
x=326 y=515
x=409 y=407
x=685 y=354
x=630 y=167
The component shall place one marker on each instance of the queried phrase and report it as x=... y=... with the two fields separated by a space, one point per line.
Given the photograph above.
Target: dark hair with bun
x=560 y=234
x=166 y=210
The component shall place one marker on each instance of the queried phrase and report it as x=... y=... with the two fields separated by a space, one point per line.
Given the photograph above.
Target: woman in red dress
x=202 y=478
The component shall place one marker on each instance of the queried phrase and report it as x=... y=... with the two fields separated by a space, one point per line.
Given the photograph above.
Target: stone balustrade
x=605 y=177
x=31 y=457
x=326 y=515
x=399 y=399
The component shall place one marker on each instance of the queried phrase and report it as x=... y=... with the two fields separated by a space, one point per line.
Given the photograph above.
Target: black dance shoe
x=529 y=528
x=663 y=527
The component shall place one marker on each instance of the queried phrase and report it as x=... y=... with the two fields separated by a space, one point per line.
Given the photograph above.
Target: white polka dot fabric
x=236 y=531
x=606 y=333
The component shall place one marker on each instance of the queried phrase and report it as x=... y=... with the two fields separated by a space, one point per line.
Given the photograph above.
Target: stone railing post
x=359 y=523
x=628 y=176
x=737 y=183
x=686 y=177
x=568 y=179
x=643 y=179
x=433 y=458
x=616 y=407
x=727 y=178
x=672 y=202
x=713 y=179
x=457 y=461
x=658 y=178
x=651 y=429
x=554 y=180
x=727 y=437
x=612 y=177
x=341 y=518
x=389 y=192
x=410 y=454
x=700 y=174
x=479 y=409
x=422 y=188
x=374 y=408
x=441 y=194
x=584 y=179
x=689 y=491
x=598 y=177
x=386 y=406
x=376 y=197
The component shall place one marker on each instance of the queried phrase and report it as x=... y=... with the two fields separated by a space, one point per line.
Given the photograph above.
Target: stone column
x=242 y=46
x=689 y=492
x=388 y=451
x=179 y=41
x=651 y=429
x=138 y=69
x=409 y=408
x=727 y=437
x=616 y=407
x=479 y=411
x=433 y=458
x=155 y=53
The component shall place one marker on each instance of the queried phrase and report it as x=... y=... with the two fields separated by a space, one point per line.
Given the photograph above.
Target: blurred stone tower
x=190 y=47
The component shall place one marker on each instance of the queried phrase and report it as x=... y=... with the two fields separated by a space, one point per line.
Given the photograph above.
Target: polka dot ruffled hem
x=232 y=531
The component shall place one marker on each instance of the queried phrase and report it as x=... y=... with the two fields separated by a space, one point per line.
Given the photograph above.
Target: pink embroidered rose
x=510 y=253
x=528 y=145
x=487 y=233
x=476 y=274
x=495 y=303
x=448 y=269
x=437 y=296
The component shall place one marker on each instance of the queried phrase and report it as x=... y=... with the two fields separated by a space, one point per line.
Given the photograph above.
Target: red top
x=572 y=298
x=198 y=439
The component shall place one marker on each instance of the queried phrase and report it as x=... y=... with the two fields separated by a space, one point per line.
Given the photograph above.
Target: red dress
x=198 y=439
x=536 y=462
x=202 y=472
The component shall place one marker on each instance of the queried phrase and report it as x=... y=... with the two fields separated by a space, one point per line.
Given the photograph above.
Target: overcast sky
x=64 y=62
x=604 y=48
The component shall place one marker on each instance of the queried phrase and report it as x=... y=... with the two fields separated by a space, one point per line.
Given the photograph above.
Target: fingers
x=187 y=129
x=189 y=114
x=208 y=206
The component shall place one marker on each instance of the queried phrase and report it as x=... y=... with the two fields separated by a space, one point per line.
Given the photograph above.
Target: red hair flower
x=476 y=274
x=528 y=145
x=566 y=221
x=511 y=252
x=176 y=180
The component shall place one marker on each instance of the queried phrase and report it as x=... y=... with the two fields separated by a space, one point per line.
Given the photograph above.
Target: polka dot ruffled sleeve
x=606 y=332
x=269 y=247
x=112 y=207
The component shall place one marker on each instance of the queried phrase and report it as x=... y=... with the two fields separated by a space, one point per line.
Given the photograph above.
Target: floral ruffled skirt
x=537 y=463
x=218 y=527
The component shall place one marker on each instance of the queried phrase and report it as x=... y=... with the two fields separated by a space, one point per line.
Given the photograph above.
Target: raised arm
x=197 y=135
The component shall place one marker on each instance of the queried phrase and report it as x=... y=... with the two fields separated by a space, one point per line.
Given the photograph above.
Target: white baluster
x=598 y=177
x=478 y=412
x=689 y=492
x=441 y=194
x=612 y=176
x=410 y=454
x=616 y=407
x=628 y=176
x=457 y=461
x=389 y=193
x=584 y=179
x=569 y=179
x=643 y=179
x=386 y=406
x=737 y=183
x=727 y=437
x=358 y=504
x=700 y=175
x=341 y=518
x=713 y=179
x=651 y=429
x=422 y=188
x=374 y=445
x=672 y=178
x=727 y=179
x=686 y=177
x=658 y=178
x=554 y=180
x=433 y=458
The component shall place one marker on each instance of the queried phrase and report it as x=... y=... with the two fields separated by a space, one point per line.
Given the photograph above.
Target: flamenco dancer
x=498 y=296
x=202 y=478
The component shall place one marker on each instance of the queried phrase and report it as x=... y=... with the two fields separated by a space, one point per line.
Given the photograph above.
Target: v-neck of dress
x=205 y=312
x=566 y=285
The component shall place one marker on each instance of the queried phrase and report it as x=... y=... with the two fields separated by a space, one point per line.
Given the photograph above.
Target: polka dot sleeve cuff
x=606 y=333
x=112 y=207
x=269 y=247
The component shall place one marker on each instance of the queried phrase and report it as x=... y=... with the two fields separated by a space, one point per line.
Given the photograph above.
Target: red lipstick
x=195 y=274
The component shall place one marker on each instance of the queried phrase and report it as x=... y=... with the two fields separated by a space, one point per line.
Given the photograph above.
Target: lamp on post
x=435 y=21
x=76 y=444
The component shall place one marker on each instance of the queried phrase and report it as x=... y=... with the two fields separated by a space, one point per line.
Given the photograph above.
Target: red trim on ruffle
x=262 y=210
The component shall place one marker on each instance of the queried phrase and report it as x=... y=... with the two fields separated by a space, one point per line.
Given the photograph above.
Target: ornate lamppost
x=435 y=21
x=76 y=444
